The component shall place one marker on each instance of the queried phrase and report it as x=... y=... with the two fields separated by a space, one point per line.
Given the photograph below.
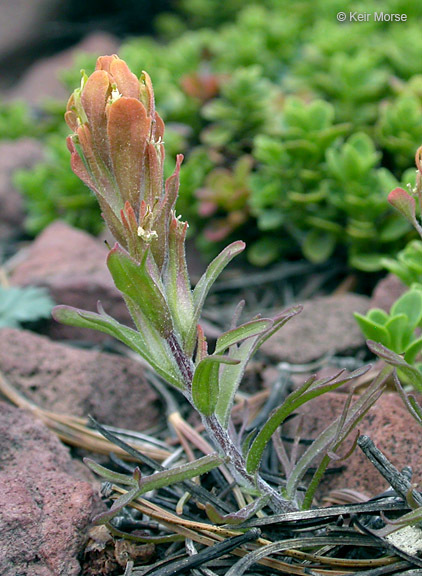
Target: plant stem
x=237 y=465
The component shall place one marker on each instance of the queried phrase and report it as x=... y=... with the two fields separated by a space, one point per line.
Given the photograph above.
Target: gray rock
x=68 y=380
x=45 y=509
x=326 y=325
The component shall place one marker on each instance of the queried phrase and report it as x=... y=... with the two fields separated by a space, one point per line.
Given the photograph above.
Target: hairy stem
x=237 y=466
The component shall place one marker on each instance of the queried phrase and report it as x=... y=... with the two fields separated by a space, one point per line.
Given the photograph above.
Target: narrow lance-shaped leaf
x=355 y=413
x=411 y=372
x=117 y=506
x=292 y=402
x=230 y=376
x=236 y=517
x=163 y=216
x=204 y=285
x=136 y=281
x=247 y=330
x=176 y=280
x=102 y=322
x=161 y=480
x=110 y=475
x=205 y=384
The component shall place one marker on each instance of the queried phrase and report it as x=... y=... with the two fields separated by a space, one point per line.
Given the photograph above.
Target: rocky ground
x=47 y=497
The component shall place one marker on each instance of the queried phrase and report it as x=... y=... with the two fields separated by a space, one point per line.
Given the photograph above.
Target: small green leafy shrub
x=228 y=91
x=19 y=306
x=398 y=329
x=15 y=121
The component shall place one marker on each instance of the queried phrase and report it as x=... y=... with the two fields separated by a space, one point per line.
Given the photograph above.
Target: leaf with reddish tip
x=146 y=94
x=94 y=98
x=176 y=279
x=404 y=203
x=159 y=127
x=79 y=165
x=128 y=129
x=127 y=83
x=162 y=215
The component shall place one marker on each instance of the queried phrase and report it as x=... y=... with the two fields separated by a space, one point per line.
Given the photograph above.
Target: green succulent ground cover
x=294 y=127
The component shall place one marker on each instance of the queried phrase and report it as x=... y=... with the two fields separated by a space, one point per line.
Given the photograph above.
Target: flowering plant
x=117 y=149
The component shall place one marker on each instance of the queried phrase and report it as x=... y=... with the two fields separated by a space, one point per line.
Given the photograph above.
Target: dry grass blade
x=75 y=431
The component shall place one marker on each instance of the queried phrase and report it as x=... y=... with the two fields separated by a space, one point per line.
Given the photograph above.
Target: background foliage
x=294 y=127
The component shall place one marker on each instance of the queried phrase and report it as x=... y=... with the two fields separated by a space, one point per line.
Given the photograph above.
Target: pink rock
x=45 y=509
x=42 y=80
x=68 y=380
x=14 y=155
x=388 y=424
x=326 y=325
x=72 y=265
x=387 y=291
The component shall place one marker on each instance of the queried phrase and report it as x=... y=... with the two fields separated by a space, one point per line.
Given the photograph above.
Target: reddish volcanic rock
x=45 y=509
x=79 y=382
x=326 y=325
x=390 y=427
x=72 y=265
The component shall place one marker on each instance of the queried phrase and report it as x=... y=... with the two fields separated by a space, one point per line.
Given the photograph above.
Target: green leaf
x=398 y=328
x=205 y=384
x=309 y=390
x=140 y=283
x=378 y=316
x=204 y=285
x=247 y=330
x=162 y=362
x=393 y=229
x=318 y=246
x=347 y=421
x=372 y=330
x=366 y=262
x=18 y=305
x=409 y=304
x=231 y=376
x=110 y=475
x=238 y=517
x=117 y=505
x=413 y=350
